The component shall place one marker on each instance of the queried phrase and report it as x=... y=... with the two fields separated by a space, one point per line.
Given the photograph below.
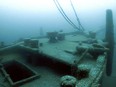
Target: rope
x=80 y=26
x=64 y=15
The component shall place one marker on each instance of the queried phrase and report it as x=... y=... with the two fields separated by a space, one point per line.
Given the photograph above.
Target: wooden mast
x=110 y=39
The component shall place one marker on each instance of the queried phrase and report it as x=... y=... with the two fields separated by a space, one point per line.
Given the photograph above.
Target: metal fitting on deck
x=95 y=49
x=33 y=43
x=27 y=42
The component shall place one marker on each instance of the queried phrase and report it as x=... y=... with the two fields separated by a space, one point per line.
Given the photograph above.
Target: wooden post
x=110 y=39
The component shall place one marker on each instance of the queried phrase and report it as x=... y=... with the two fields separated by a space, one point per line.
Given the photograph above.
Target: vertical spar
x=110 y=39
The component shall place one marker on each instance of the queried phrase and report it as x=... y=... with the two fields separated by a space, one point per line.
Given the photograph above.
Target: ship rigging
x=62 y=12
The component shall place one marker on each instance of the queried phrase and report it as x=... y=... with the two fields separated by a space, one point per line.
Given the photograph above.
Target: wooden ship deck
x=48 y=62
x=60 y=60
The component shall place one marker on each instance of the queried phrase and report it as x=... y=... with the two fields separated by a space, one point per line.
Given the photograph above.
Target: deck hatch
x=18 y=72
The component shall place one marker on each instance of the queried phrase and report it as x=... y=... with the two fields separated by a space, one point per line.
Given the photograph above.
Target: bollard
x=27 y=42
x=34 y=43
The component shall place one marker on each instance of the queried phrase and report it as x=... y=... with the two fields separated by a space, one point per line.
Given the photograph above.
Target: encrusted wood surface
x=63 y=51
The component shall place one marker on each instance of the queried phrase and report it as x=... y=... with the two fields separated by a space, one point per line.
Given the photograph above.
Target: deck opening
x=18 y=72
x=82 y=74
